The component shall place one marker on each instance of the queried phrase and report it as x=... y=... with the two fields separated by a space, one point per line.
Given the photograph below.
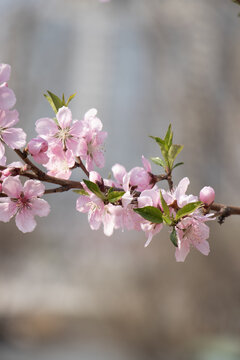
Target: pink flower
x=37 y=148
x=91 y=145
x=7 y=97
x=60 y=162
x=15 y=138
x=191 y=231
x=207 y=195
x=98 y=213
x=179 y=194
x=24 y=202
x=150 y=198
x=64 y=133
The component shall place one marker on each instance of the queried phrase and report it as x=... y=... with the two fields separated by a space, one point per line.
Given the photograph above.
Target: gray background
x=67 y=292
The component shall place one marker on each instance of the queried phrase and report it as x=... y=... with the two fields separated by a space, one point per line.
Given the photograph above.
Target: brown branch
x=82 y=166
x=223 y=211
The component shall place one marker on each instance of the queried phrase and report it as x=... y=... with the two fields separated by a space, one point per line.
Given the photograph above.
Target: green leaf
x=188 y=209
x=114 y=196
x=178 y=164
x=167 y=220
x=94 y=188
x=158 y=161
x=169 y=136
x=173 y=237
x=54 y=101
x=163 y=147
x=63 y=100
x=173 y=153
x=81 y=192
x=70 y=98
x=151 y=214
x=164 y=205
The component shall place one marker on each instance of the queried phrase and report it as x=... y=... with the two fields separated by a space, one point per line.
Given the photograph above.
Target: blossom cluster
x=129 y=200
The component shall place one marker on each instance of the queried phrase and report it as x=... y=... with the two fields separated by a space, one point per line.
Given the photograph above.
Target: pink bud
x=207 y=195
x=37 y=145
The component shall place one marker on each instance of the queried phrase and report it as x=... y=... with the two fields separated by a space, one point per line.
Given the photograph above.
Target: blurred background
x=70 y=293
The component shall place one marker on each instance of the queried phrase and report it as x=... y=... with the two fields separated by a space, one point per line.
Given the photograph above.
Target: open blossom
x=138 y=177
x=60 y=162
x=91 y=144
x=178 y=194
x=38 y=148
x=15 y=138
x=7 y=97
x=24 y=202
x=98 y=213
x=66 y=133
x=191 y=231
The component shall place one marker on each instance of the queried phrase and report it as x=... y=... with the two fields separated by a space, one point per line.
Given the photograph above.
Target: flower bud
x=207 y=195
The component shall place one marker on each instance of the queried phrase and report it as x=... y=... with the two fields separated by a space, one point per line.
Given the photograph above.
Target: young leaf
x=173 y=153
x=158 y=161
x=114 y=196
x=163 y=147
x=188 y=209
x=178 y=164
x=173 y=237
x=94 y=188
x=168 y=137
x=164 y=205
x=63 y=100
x=54 y=101
x=70 y=98
x=81 y=192
x=151 y=214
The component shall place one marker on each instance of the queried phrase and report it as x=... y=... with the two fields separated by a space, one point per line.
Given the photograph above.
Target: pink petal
x=77 y=129
x=5 y=72
x=2 y=150
x=8 y=118
x=146 y=164
x=46 y=126
x=40 y=207
x=15 y=138
x=181 y=188
x=83 y=204
x=73 y=145
x=118 y=172
x=98 y=158
x=41 y=158
x=7 y=210
x=3 y=159
x=7 y=98
x=12 y=187
x=181 y=253
x=33 y=188
x=90 y=114
x=25 y=221
x=203 y=247
x=64 y=117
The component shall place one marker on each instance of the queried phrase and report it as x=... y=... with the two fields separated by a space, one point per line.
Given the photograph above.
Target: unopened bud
x=207 y=195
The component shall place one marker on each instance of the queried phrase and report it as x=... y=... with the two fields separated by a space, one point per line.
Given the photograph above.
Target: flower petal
x=64 y=117
x=7 y=210
x=25 y=221
x=12 y=187
x=7 y=98
x=33 y=188
x=15 y=138
x=46 y=126
x=40 y=207
x=5 y=72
